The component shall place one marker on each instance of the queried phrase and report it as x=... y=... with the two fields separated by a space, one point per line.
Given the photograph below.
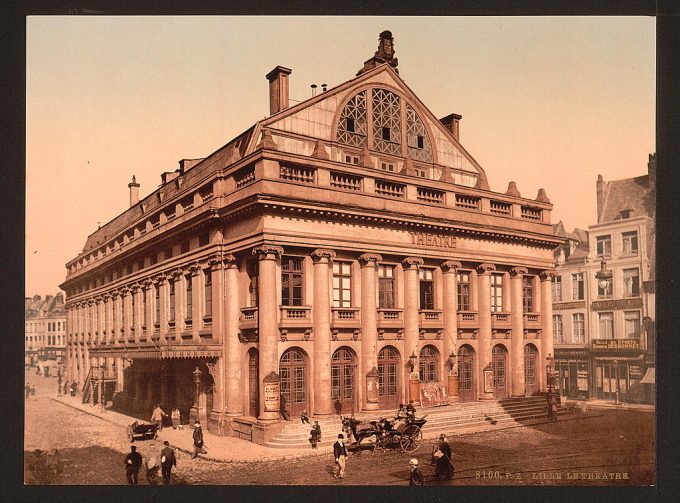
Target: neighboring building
x=44 y=329
x=345 y=249
x=604 y=316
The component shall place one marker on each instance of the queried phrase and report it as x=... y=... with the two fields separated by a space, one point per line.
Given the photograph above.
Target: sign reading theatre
x=432 y=240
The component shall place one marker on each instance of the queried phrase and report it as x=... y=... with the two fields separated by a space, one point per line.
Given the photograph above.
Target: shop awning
x=649 y=377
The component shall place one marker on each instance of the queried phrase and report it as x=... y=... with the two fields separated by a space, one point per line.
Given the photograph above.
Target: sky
x=547 y=102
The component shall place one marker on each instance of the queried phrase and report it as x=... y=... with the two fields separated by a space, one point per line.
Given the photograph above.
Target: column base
x=486 y=396
x=523 y=395
x=454 y=399
x=370 y=406
x=269 y=417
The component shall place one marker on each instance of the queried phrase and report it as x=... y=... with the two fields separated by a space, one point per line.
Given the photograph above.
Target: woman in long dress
x=444 y=466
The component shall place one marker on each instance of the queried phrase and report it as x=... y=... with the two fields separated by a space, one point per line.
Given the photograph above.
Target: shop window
x=426 y=288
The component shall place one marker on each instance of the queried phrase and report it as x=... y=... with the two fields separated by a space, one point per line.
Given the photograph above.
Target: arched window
x=386 y=122
x=293 y=372
x=429 y=364
x=416 y=137
x=353 y=123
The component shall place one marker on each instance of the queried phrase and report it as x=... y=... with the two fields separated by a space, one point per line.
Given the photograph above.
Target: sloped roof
x=632 y=194
x=51 y=305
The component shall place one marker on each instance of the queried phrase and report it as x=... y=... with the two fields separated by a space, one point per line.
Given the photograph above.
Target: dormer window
x=387 y=166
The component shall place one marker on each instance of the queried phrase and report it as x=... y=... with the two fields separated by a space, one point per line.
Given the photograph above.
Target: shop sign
x=615 y=344
x=634 y=303
x=634 y=371
x=272 y=393
x=569 y=305
x=432 y=240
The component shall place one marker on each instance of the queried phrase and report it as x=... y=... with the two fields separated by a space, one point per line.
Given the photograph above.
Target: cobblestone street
x=590 y=449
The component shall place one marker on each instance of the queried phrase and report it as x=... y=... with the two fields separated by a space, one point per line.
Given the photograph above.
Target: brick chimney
x=451 y=123
x=134 y=191
x=278 y=89
x=601 y=196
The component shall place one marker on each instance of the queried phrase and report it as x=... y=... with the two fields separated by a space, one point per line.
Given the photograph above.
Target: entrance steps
x=452 y=419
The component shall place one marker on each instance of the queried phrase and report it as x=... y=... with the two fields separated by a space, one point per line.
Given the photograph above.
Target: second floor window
x=629 y=243
x=189 y=300
x=557 y=289
x=631 y=324
x=631 y=282
x=558 y=332
x=172 y=302
x=578 y=328
x=528 y=294
x=604 y=246
x=291 y=281
x=207 y=293
x=463 y=291
x=496 y=293
x=606 y=325
x=342 y=284
x=426 y=288
x=578 y=289
x=386 y=286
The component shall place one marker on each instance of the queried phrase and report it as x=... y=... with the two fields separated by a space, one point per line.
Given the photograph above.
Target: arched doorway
x=293 y=371
x=531 y=381
x=343 y=364
x=498 y=362
x=466 y=374
x=253 y=384
x=389 y=363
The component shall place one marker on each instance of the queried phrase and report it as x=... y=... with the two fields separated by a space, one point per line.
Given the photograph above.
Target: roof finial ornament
x=384 y=54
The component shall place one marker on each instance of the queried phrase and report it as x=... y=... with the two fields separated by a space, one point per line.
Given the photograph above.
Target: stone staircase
x=453 y=420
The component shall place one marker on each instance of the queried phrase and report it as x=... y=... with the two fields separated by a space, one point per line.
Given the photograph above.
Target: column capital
x=264 y=252
x=450 y=266
x=215 y=262
x=518 y=271
x=322 y=253
x=484 y=268
x=230 y=261
x=115 y=294
x=177 y=273
x=134 y=287
x=124 y=291
x=195 y=268
x=548 y=274
x=370 y=259
x=160 y=278
x=98 y=299
x=147 y=284
x=414 y=262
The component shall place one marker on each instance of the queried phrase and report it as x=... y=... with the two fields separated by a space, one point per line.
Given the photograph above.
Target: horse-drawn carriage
x=405 y=432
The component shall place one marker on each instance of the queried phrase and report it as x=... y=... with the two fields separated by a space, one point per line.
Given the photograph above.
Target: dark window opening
x=421 y=142
x=203 y=239
x=350 y=124
x=386 y=133
x=184 y=247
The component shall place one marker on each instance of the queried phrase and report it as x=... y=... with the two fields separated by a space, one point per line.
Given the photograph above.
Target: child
x=416 y=478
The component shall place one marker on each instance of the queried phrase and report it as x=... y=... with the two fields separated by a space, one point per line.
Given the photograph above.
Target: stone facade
x=44 y=330
x=344 y=242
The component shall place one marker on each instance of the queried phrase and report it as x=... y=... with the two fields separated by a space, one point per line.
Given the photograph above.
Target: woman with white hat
x=416 y=478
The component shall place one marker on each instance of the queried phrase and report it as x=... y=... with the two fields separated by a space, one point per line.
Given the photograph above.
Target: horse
x=360 y=432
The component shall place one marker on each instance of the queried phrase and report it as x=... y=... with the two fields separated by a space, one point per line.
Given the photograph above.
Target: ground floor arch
x=294 y=374
x=532 y=381
x=467 y=387
x=389 y=386
x=343 y=379
x=499 y=364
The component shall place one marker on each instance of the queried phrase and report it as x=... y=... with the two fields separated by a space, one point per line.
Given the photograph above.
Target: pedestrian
x=416 y=478
x=340 y=454
x=552 y=408
x=304 y=417
x=65 y=388
x=152 y=471
x=199 y=447
x=168 y=460
x=176 y=417
x=338 y=407
x=28 y=390
x=74 y=388
x=157 y=416
x=315 y=434
x=282 y=408
x=32 y=389
x=442 y=457
x=133 y=461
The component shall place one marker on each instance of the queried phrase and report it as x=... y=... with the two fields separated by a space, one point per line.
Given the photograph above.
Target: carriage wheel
x=411 y=438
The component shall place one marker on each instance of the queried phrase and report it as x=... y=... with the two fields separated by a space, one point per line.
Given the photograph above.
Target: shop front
x=573 y=375
x=617 y=366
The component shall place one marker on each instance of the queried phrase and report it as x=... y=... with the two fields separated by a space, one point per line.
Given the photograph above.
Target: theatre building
x=342 y=252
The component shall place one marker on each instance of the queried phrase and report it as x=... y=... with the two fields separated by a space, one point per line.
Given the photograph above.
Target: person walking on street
x=198 y=440
x=152 y=471
x=32 y=389
x=340 y=454
x=176 y=418
x=133 y=461
x=28 y=390
x=315 y=434
x=443 y=463
x=65 y=388
x=168 y=461
x=157 y=416
x=416 y=478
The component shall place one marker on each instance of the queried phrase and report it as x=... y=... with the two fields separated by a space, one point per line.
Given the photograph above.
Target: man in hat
x=340 y=454
x=133 y=461
x=416 y=478
x=168 y=460
x=198 y=440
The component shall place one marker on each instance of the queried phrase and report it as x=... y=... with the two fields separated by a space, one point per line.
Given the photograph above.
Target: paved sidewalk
x=220 y=448
x=606 y=404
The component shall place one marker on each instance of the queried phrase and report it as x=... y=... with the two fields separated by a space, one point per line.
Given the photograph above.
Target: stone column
x=369 y=323
x=546 y=321
x=231 y=306
x=163 y=300
x=195 y=301
x=148 y=293
x=127 y=309
x=216 y=272
x=136 y=318
x=119 y=374
x=267 y=324
x=518 y=387
x=411 y=323
x=484 y=342
x=108 y=318
x=101 y=321
x=323 y=260
x=450 y=342
x=117 y=318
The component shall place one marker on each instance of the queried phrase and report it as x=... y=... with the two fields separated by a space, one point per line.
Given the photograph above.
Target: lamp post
x=102 y=370
x=197 y=381
x=59 y=378
x=451 y=361
x=549 y=375
x=603 y=276
x=616 y=390
x=412 y=361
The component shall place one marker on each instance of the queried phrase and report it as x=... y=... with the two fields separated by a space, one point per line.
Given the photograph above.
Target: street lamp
x=412 y=361
x=603 y=276
x=197 y=381
x=549 y=374
x=616 y=391
x=451 y=361
x=102 y=370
